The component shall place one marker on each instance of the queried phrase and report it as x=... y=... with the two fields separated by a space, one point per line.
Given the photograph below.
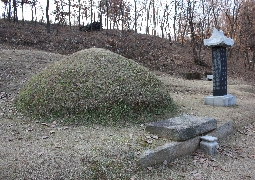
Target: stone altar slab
x=182 y=128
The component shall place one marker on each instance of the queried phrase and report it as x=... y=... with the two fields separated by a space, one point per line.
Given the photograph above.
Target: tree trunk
x=15 y=16
x=100 y=15
x=135 y=17
x=32 y=6
x=9 y=11
x=47 y=17
x=79 y=18
x=69 y=13
x=107 y=11
x=22 y=9
x=91 y=14
x=175 y=14
x=122 y=18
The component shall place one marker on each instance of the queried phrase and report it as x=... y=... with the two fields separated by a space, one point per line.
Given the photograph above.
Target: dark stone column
x=219 y=58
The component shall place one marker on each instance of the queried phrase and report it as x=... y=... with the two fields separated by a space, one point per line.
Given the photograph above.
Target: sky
x=41 y=13
x=27 y=10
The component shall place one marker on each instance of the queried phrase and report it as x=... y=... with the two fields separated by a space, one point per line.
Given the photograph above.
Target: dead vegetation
x=150 y=51
x=52 y=150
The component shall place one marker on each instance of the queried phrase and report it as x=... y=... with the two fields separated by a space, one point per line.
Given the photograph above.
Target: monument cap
x=218 y=39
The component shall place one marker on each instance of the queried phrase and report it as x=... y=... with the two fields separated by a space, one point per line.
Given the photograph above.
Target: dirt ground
x=31 y=149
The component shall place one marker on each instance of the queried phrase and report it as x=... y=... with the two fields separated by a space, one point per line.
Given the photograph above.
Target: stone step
x=182 y=128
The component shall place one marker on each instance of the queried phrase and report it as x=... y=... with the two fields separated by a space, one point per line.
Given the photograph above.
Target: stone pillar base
x=226 y=100
x=209 y=145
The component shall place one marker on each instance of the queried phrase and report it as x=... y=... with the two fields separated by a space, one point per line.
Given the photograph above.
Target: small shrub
x=208 y=73
x=95 y=26
x=193 y=75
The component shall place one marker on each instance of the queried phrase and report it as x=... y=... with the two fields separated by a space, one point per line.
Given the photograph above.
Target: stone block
x=168 y=152
x=182 y=128
x=222 y=131
x=209 y=77
x=226 y=100
x=209 y=145
x=171 y=151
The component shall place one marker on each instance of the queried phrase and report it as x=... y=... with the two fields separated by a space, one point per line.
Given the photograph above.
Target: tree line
x=178 y=20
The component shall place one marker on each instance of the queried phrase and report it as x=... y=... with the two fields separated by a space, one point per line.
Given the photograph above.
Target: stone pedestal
x=226 y=100
x=209 y=77
x=209 y=145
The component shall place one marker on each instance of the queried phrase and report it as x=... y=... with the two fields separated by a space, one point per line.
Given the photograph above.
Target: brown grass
x=30 y=149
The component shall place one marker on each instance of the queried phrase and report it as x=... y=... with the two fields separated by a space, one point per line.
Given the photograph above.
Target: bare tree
x=175 y=16
x=246 y=28
x=7 y=4
x=33 y=9
x=15 y=13
x=47 y=17
x=69 y=12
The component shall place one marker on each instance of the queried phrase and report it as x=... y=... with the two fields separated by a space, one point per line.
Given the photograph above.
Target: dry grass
x=189 y=95
x=35 y=150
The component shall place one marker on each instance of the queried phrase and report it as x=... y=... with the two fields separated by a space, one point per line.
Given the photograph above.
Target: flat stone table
x=182 y=128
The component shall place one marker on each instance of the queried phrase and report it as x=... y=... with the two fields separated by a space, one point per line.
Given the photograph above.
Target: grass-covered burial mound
x=94 y=85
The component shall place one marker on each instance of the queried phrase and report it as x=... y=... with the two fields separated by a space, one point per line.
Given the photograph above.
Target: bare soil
x=31 y=149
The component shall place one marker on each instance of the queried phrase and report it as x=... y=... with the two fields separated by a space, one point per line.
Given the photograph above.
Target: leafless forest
x=177 y=20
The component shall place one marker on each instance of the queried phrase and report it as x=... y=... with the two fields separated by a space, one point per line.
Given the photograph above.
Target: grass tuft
x=95 y=85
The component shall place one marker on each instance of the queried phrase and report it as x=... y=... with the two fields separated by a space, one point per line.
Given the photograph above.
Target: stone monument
x=218 y=42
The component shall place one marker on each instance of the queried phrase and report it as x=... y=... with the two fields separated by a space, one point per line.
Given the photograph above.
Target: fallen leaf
x=52 y=132
x=148 y=136
x=193 y=172
x=44 y=124
x=29 y=129
x=224 y=170
x=40 y=153
x=242 y=156
x=155 y=137
x=197 y=176
x=45 y=137
x=149 y=168
x=53 y=124
x=202 y=160
x=165 y=162
x=215 y=165
x=132 y=178
x=212 y=159
x=149 y=141
x=195 y=161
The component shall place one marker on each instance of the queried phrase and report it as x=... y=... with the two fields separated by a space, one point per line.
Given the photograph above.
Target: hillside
x=150 y=51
